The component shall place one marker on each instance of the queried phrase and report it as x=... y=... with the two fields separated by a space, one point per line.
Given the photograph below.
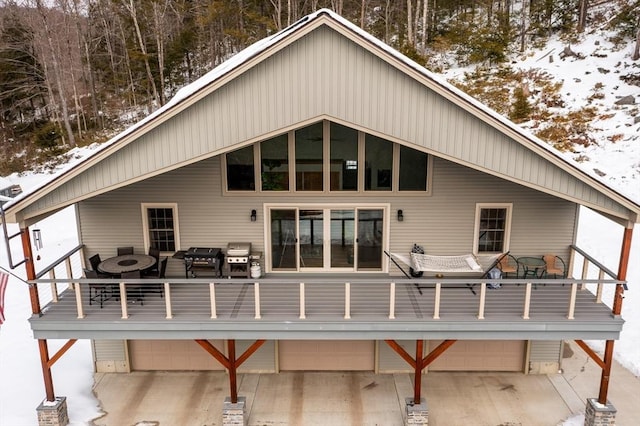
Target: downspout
x=616 y=310
x=35 y=309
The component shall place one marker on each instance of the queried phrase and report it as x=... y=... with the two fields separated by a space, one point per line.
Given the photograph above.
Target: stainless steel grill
x=236 y=260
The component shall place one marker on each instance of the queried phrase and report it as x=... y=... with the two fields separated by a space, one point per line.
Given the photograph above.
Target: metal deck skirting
x=334 y=310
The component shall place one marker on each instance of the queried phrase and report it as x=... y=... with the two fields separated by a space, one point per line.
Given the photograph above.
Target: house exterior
x=326 y=150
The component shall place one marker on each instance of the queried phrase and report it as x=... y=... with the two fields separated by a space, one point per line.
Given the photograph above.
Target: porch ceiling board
x=308 y=82
x=325 y=314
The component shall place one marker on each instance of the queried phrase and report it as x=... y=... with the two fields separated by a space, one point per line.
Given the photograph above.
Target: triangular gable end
x=322 y=68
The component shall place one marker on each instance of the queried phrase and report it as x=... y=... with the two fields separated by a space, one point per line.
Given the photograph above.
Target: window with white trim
x=160 y=224
x=492 y=228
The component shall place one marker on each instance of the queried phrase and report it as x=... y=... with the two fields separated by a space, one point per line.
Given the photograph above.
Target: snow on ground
x=22 y=387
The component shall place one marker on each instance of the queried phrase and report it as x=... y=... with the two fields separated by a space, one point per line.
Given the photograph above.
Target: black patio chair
x=134 y=291
x=98 y=292
x=94 y=261
x=154 y=270
x=124 y=250
x=159 y=286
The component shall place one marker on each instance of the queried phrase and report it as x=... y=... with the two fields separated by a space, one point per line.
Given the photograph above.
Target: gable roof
x=18 y=209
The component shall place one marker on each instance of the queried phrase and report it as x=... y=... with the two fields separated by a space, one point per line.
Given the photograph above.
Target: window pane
x=344 y=158
x=283 y=239
x=275 y=164
x=413 y=170
x=309 y=158
x=378 y=164
x=161 y=229
x=492 y=230
x=370 y=229
x=240 y=172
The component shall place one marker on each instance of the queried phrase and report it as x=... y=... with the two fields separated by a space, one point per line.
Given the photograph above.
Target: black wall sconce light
x=400 y=216
x=254 y=215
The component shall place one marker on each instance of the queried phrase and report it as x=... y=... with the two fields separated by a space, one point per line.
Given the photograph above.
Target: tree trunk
x=57 y=73
x=582 y=15
x=134 y=16
x=636 y=51
x=409 y=22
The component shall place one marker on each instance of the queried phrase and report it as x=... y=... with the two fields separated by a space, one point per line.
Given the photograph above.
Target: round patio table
x=532 y=266
x=126 y=263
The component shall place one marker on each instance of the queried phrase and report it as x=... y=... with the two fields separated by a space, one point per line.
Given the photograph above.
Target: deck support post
x=417 y=383
x=600 y=411
x=234 y=406
x=52 y=411
x=617 y=311
x=417 y=412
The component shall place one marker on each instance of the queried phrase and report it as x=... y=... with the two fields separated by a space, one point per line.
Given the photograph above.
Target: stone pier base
x=596 y=414
x=234 y=414
x=417 y=414
x=53 y=413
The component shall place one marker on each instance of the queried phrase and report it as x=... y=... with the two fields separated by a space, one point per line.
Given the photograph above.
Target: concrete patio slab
x=364 y=398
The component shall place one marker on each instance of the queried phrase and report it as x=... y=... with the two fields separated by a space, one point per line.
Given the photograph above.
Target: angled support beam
x=61 y=352
x=419 y=363
x=400 y=351
x=594 y=356
x=230 y=362
x=214 y=352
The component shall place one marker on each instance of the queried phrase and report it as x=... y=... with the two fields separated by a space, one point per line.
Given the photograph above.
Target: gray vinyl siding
x=262 y=361
x=390 y=362
x=443 y=222
x=545 y=350
x=325 y=74
x=109 y=350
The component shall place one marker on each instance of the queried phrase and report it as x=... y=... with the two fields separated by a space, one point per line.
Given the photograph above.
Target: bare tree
x=56 y=69
x=583 y=6
x=131 y=8
x=636 y=50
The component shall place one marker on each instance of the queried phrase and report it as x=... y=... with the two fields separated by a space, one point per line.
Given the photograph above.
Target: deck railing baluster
x=78 y=292
x=436 y=302
x=600 y=287
x=167 y=300
x=483 y=295
x=54 y=286
x=527 y=301
x=256 y=296
x=572 y=301
x=392 y=300
x=347 y=300
x=123 y=300
x=302 y=307
x=212 y=295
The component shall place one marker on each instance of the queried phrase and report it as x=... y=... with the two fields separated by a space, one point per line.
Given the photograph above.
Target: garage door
x=335 y=355
x=481 y=355
x=185 y=355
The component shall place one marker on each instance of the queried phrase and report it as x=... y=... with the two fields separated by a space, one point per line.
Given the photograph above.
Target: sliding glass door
x=327 y=239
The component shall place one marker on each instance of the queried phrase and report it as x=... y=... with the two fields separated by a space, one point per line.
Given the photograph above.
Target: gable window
x=492 y=229
x=327 y=157
x=160 y=224
x=413 y=165
x=344 y=158
x=378 y=163
x=240 y=170
x=309 y=159
x=274 y=159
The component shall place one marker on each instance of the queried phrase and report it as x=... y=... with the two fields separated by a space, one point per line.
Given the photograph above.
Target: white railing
x=391 y=298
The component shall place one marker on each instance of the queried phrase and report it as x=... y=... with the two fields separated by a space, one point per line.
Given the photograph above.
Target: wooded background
x=76 y=71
